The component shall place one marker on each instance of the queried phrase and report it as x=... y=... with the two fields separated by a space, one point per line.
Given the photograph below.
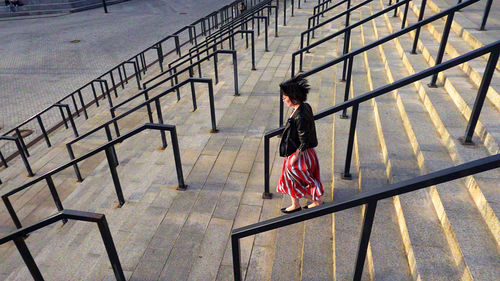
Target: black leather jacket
x=299 y=131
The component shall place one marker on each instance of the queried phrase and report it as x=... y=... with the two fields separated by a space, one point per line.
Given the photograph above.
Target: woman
x=300 y=174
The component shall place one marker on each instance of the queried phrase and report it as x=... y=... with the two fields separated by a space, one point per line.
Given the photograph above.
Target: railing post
x=21 y=141
x=284 y=12
x=105 y=6
x=11 y=211
x=235 y=73
x=347 y=85
x=94 y=91
x=365 y=239
x=193 y=93
x=253 y=50
x=282 y=109
x=44 y=133
x=71 y=121
x=23 y=157
x=114 y=175
x=266 y=194
x=417 y=31
x=74 y=105
x=235 y=245
x=110 y=249
x=55 y=196
x=405 y=14
x=442 y=47
x=75 y=166
x=83 y=104
x=485 y=15
x=28 y=259
x=212 y=107
x=4 y=162
x=177 y=158
x=113 y=82
x=160 y=120
x=148 y=107
x=63 y=117
x=350 y=143
x=481 y=95
x=216 y=71
x=110 y=138
x=347 y=39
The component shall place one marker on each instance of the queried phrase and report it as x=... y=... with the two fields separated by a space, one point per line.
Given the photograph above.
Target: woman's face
x=287 y=101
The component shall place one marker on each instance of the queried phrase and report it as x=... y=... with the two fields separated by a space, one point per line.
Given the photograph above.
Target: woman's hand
x=296 y=157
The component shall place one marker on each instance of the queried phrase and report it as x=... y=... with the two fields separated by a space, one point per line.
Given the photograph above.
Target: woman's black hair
x=296 y=89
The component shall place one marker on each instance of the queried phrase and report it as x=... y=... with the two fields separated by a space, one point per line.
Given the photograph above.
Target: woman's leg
x=295 y=204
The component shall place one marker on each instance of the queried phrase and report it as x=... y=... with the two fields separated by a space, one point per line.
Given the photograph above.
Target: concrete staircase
x=446 y=232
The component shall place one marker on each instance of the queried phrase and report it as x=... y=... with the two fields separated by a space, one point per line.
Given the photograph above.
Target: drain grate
x=75 y=41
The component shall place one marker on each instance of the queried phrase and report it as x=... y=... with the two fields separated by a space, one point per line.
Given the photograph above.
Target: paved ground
x=39 y=65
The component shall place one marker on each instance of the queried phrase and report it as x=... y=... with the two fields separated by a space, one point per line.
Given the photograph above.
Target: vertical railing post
x=347 y=39
x=193 y=93
x=365 y=239
x=105 y=6
x=347 y=85
x=417 y=31
x=21 y=141
x=4 y=162
x=114 y=175
x=350 y=143
x=235 y=246
x=485 y=15
x=28 y=259
x=55 y=196
x=160 y=120
x=177 y=158
x=71 y=121
x=62 y=116
x=212 y=107
x=405 y=14
x=23 y=157
x=480 y=97
x=11 y=211
x=442 y=47
x=110 y=138
x=83 y=104
x=235 y=73
x=75 y=165
x=284 y=12
x=110 y=249
x=44 y=132
x=74 y=105
x=266 y=194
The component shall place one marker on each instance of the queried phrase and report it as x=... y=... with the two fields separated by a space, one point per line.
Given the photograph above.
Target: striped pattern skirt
x=302 y=178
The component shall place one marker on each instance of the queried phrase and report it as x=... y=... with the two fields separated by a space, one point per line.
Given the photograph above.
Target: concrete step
x=456 y=46
x=449 y=199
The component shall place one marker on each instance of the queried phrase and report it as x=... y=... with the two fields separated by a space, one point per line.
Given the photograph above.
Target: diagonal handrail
x=348 y=58
x=139 y=64
x=493 y=49
x=100 y=219
x=108 y=149
x=369 y=198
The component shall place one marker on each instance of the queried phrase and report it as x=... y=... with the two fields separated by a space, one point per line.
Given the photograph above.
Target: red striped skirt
x=302 y=178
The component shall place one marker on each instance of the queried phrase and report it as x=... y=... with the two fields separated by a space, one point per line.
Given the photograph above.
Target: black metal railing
x=313 y=20
x=108 y=148
x=172 y=71
x=139 y=64
x=348 y=58
x=19 y=235
x=492 y=49
x=369 y=198
x=147 y=103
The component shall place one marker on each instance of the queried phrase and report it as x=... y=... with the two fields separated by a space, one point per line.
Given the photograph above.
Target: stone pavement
x=39 y=65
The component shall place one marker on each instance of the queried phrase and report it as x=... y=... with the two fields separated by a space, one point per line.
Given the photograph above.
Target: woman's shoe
x=283 y=210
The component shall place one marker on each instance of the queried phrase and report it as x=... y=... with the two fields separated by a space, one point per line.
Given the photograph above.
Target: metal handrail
x=315 y=17
x=349 y=57
x=370 y=198
x=493 y=49
x=189 y=68
x=147 y=103
x=139 y=64
x=108 y=149
x=19 y=235
x=173 y=69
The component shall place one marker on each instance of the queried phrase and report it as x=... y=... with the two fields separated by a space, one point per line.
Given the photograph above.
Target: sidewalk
x=39 y=64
